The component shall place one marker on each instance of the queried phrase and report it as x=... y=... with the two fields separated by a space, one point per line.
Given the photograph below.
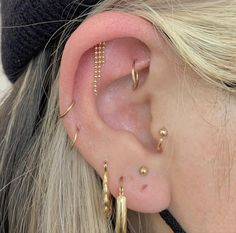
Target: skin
x=193 y=176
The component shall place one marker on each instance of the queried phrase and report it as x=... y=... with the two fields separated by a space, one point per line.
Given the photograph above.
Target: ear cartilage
x=99 y=60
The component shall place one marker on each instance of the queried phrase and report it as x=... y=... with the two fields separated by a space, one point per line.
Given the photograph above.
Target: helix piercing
x=67 y=110
x=135 y=77
x=99 y=60
x=107 y=199
x=75 y=138
x=163 y=133
x=143 y=171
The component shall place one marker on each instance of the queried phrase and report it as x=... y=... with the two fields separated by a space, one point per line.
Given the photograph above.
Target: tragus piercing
x=135 y=77
x=163 y=133
x=67 y=110
x=99 y=60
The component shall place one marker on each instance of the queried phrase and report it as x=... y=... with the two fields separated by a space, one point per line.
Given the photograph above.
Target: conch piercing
x=121 y=210
x=75 y=138
x=107 y=198
x=135 y=77
x=99 y=60
x=67 y=110
x=163 y=133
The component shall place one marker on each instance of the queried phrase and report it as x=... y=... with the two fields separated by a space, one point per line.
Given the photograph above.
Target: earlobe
x=109 y=85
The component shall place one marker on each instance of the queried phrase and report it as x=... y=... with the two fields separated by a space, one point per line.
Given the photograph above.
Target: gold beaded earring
x=99 y=60
x=107 y=198
x=121 y=210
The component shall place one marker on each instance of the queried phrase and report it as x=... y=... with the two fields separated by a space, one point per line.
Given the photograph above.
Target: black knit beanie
x=27 y=25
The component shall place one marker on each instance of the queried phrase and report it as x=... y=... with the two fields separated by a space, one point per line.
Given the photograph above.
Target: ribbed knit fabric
x=27 y=25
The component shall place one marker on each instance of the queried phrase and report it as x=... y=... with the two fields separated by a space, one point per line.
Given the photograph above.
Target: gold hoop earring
x=107 y=199
x=163 y=133
x=135 y=77
x=67 y=110
x=121 y=211
x=75 y=139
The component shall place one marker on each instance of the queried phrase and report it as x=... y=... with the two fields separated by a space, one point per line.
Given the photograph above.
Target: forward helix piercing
x=99 y=60
x=135 y=77
x=163 y=134
x=67 y=110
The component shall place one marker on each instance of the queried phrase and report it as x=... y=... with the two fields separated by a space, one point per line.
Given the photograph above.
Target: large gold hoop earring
x=135 y=77
x=121 y=211
x=107 y=199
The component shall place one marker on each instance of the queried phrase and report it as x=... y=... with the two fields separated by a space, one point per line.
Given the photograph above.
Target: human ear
x=116 y=125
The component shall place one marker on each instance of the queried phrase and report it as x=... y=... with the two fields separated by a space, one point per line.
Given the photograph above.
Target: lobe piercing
x=67 y=110
x=163 y=133
x=143 y=171
x=99 y=60
x=135 y=77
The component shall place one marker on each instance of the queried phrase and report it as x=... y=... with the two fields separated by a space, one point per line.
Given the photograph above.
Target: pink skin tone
x=191 y=176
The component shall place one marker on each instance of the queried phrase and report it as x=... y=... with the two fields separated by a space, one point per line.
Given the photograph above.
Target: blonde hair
x=47 y=188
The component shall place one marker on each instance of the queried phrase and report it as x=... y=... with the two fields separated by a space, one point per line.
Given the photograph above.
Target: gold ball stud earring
x=163 y=134
x=143 y=171
x=107 y=198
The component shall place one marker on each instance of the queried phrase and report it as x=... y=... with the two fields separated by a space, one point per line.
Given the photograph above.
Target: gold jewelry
x=135 y=77
x=107 y=199
x=75 y=139
x=143 y=171
x=99 y=60
x=163 y=133
x=67 y=110
x=121 y=211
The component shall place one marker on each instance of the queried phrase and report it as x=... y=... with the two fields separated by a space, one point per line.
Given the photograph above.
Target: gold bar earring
x=67 y=110
x=107 y=198
x=121 y=211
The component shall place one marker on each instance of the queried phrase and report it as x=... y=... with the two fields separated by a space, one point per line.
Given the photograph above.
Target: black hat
x=27 y=25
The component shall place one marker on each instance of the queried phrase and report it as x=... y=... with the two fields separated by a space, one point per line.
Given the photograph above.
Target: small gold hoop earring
x=75 y=139
x=107 y=199
x=67 y=110
x=135 y=77
x=121 y=211
x=163 y=134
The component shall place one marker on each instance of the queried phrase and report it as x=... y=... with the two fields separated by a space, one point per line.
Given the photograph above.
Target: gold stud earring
x=163 y=134
x=135 y=77
x=75 y=138
x=99 y=60
x=107 y=198
x=121 y=210
x=67 y=110
x=143 y=171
